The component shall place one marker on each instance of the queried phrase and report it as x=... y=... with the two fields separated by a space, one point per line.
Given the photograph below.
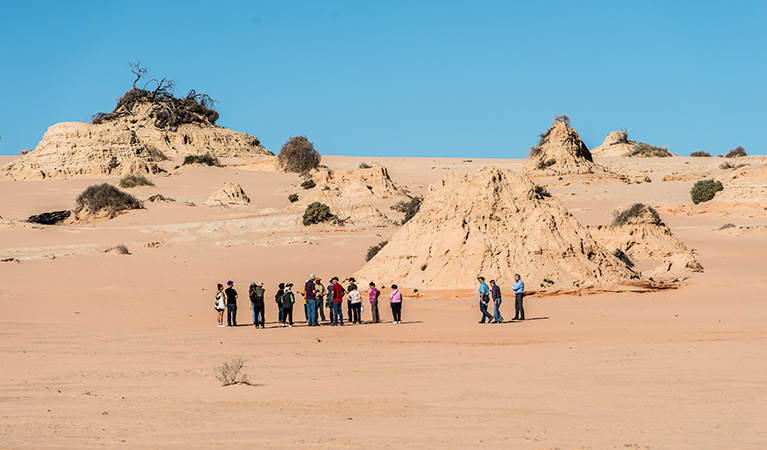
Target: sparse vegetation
x=104 y=197
x=316 y=212
x=542 y=191
x=726 y=165
x=634 y=211
x=119 y=249
x=168 y=111
x=618 y=253
x=206 y=160
x=737 y=152
x=643 y=150
x=365 y=166
x=563 y=118
x=232 y=372
x=50 y=218
x=298 y=155
x=410 y=208
x=700 y=154
x=726 y=226
x=24 y=152
x=308 y=184
x=704 y=190
x=293 y=198
x=374 y=249
x=546 y=164
x=131 y=181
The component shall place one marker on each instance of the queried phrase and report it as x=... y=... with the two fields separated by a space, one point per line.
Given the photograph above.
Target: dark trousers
x=396 y=311
x=349 y=309
x=374 y=310
x=231 y=314
x=519 y=310
x=356 y=313
x=336 y=313
x=258 y=313
x=483 y=310
x=287 y=315
x=279 y=312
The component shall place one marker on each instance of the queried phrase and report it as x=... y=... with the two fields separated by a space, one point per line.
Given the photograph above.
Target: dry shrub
x=700 y=154
x=618 y=253
x=231 y=372
x=50 y=218
x=705 y=190
x=298 y=155
x=131 y=181
x=316 y=212
x=644 y=150
x=728 y=165
x=374 y=249
x=365 y=166
x=634 y=211
x=737 y=152
x=726 y=226
x=546 y=164
x=410 y=207
x=308 y=184
x=119 y=249
x=206 y=160
x=542 y=191
x=105 y=198
x=293 y=198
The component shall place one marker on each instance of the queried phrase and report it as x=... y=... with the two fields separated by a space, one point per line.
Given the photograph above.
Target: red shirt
x=338 y=293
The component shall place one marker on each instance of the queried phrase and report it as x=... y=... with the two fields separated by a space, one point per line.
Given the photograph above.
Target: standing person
x=278 y=300
x=374 y=293
x=352 y=286
x=311 y=301
x=231 y=304
x=257 y=303
x=288 y=299
x=338 y=295
x=519 y=293
x=220 y=304
x=496 y=294
x=319 y=293
x=484 y=300
x=356 y=300
x=396 y=304
x=330 y=303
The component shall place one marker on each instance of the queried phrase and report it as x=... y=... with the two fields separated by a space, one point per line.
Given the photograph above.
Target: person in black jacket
x=495 y=292
x=231 y=304
x=257 y=303
x=288 y=299
x=278 y=300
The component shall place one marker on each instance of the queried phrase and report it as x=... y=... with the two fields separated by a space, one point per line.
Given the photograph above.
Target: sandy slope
x=105 y=350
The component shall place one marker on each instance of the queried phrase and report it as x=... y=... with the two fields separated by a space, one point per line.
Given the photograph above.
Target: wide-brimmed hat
x=260 y=284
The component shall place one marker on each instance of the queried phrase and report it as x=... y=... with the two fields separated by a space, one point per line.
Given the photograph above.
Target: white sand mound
x=615 y=144
x=641 y=234
x=493 y=223
x=230 y=194
x=562 y=152
x=360 y=183
x=130 y=144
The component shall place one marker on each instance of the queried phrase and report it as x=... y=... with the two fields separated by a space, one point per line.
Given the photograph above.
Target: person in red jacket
x=338 y=296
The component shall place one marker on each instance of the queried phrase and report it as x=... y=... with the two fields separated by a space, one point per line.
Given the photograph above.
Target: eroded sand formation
x=493 y=222
x=615 y=144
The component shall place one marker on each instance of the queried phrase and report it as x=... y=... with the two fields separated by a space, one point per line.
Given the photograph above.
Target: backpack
x=288 y=298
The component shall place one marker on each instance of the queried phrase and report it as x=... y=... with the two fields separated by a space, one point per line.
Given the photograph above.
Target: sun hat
x=311 y=277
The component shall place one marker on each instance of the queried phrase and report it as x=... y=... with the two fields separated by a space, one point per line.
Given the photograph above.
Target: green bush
x=298 y=155
x=704 y=190
x=700 y=154
x=105 y=197
x=374 y=249
x=206 y=160
x=317 y=213
x=131 y=181
x=293 y=198
x=308 y=184
x=644 y=150
x=737 y=152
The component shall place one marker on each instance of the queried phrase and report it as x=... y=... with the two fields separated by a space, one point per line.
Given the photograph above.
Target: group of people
x=494 y=291
x=314 y=294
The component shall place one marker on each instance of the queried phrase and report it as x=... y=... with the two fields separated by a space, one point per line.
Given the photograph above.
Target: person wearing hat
x=288 y=298
x=278 y=299
x=257 y=303
x=319 y=294
x=231 y=304
x=311 y=302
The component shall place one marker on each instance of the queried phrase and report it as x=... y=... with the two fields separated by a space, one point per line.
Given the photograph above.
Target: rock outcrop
x=494 y=223
x=641 y=235
x=129 y=144
x=615 y=144
x=231 y=194
x=561 y=152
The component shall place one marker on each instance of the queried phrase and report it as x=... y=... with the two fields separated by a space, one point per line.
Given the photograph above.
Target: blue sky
x=402 y=78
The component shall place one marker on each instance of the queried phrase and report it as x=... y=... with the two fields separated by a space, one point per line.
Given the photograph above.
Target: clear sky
x=402 y=78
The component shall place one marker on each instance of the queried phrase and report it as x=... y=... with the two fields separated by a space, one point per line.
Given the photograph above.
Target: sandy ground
x=108 y=350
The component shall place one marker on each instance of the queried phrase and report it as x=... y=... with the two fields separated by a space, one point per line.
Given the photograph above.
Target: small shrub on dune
x=374 y=249
x=205 y=160
x=308 y=184
x=106 y=198
x=131 y=181
x=50 y=218
x=644 y=150
x=293 y=198
x=410 y=208
x=636 y=210
x=298 y=155
x=365 y=166
x=119 y=249
x=316 y=213
x=700 y=154
x=726 y=226
x=232 y=372
x=737 y=152
x=704 y=190
x=728 y=165
x=618 y=253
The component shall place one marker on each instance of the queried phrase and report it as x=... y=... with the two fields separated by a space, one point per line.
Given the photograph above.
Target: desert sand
x=103 y=350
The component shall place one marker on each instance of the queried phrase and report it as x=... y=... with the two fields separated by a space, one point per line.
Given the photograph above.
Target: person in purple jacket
x=374 y=293
x=396 y=304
